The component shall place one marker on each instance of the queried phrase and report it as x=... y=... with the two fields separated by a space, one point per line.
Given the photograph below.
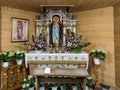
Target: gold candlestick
x=63 y=49
x=51 y=48
x=56 y=47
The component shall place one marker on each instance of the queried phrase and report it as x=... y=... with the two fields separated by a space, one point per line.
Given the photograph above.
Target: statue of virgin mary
x=56 y=31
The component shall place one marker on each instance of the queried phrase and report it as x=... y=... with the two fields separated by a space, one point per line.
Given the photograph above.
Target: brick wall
x=6 y=27
x=98 y=27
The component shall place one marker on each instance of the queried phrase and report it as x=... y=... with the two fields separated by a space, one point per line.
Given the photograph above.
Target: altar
x=63 y=65
x=36 y=57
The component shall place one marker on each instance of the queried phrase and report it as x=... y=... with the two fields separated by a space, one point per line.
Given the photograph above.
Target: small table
x=61 y=75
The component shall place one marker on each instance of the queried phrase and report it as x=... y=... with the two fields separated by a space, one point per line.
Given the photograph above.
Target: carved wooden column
x=24 y=74
x=97 y=80
x=18 y=75
x=4 y=77
x=11 y=75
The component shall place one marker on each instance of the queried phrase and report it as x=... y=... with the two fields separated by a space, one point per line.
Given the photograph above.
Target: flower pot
x=74 y=88
x=19 y=61
x=54 y=88
x=97 y=61
x=62 y=88
x=42 y=88
x=31 y=88
x=5 y=64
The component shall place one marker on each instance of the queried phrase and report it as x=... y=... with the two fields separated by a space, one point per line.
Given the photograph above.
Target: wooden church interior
x=98 y=21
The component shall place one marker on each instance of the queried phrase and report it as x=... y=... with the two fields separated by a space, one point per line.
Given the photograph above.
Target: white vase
x=31 y=88
x=97 y=61
x=5 y=64
x=74 y=88
x=62 y=88
x=19 y=61
x=42 y=88
x=54 y=88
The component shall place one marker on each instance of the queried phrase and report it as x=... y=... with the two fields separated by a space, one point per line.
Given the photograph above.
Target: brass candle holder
x=51 y=50
x=63 y=48
x=57 y=47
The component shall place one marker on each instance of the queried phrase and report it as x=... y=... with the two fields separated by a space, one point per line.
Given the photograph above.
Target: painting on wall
x=19 y=29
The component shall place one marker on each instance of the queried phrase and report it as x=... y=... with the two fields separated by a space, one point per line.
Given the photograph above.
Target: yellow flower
x=24 y=85
x=93 y=50
x=104 y=51
x=27 y=85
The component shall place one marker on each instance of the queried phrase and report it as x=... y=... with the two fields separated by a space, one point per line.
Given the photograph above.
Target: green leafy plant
x=8 y=56
x=1 y=57
x=28 y=82
x=42 y=84
x=90 y=81
x=98 y=53
x=20 y=54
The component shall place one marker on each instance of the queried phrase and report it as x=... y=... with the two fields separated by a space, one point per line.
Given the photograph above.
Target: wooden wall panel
x=117 y=42
x=0 y=28
x=6 y=26
x=98 y=27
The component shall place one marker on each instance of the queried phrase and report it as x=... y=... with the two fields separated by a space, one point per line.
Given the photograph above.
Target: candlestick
x=56 y=47
x=63 y=49
x=51 y=48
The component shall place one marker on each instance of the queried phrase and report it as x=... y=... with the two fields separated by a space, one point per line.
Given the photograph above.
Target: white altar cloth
x=43 y=56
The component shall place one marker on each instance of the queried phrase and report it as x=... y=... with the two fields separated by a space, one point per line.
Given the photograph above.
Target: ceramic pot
x=31 y=88
x=19 y=61
x=97 y=61
x=42 y=88
x=74 y=88
x=54 y=88
x=5 y=64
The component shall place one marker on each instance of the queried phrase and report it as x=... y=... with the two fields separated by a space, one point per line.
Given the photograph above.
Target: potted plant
x=75 y=43
x=54 y=86
x=74 y=87
x=8 y=56
x=90 y=82
x=29 y=83
x=20 y=56
x=63 y=86
x=98 y=54
x=42 y=86
x=37 y=43
x=69 y=86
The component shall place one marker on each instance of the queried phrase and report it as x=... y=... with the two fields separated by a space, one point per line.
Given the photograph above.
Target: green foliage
x=1 y=57
x=20 y=54
x=98 y=53
x=90 y=81
x=6 y=56
x=28 y=82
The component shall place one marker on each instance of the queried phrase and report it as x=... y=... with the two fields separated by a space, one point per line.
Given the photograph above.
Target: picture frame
x=19 y=29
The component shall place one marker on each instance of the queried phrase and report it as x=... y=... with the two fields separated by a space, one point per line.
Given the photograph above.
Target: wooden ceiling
x=75 y=5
